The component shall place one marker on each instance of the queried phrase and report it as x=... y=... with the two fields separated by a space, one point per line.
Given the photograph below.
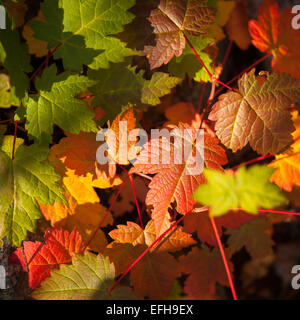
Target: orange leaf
x=171 y=183
x=272 y=32
x=288 y=163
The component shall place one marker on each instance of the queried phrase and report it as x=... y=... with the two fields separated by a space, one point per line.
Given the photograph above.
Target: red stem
x=253 y=161
x=204 y=66
x=276 y=211
x=107 y=212
x=148 y=249
x=224 y=258
x=247 y=69
x=229 y=47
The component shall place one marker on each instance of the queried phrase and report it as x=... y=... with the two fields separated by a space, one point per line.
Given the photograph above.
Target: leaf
x=82 y=30
x=181 y=112
x=273 y=32
x=15 y=58
x=59 y=247
x=224 y=8
x=88 y=278
x=171 y=182
x=170 y=21
x=56 y=104
x=248 y=189
x=7 y=98
x=201 y=223
x=153 y=276
x=35 y=46
x=85 y=218
x=237 y=26
x=257 y=112
x=255 y=236
x=17 y=11
x=188 y=63
x=287 y=163
x=112 y=91
x=23 y=182
x=205 y=268
x=134 y=234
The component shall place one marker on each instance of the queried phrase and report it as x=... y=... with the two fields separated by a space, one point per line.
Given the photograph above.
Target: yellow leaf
x=288 y=163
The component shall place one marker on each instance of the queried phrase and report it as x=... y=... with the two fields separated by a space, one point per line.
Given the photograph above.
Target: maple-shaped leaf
x=15 y=58
x=88 y=278
x=170 y=21
x=24 y=181
x=78 y=151
x=82 y=30
x=237 y=26
x=256 y=236
x=247 y=189
x=188 y=63
x=85 y=218
x=205 y=268
x=134 y=234
x=112 y=92
x=171 y=182
x=288 y=163
x=201 y=223
x=273 y=32
x=153 y=276
x=56 y=104
x=59 y=247
x=256 y=112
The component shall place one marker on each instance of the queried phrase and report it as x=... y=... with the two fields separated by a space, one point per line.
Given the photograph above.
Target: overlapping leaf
x=170 y=21
x=248 y=189
x=82 y=30
x=112 y=91
x=59 y=247
x=56 y=104
x=171 y=182
x=88 y=278
x=256 y=236
x=273 y=32
x=207 y=263
x=201 y=223
x=256 y=112
x=15 y=58
x=288 y=163
x=24 y=181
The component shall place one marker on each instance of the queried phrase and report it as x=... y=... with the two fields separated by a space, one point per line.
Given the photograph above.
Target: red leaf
x=59 y=247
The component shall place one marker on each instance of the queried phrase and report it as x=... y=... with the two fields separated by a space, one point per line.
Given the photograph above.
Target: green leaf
x=82 y=31
x=7 y=98
x=248 y=189
x=88 y=278
x=16 y=59
x=56 y=104
x=113 y=91
x=188 y=63
x=24 y=181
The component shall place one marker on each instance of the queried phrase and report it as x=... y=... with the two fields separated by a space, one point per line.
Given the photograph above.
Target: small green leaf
x=248 y=190
x=56 y=104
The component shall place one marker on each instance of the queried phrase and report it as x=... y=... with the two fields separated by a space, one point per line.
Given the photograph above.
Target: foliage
x=72 y=70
